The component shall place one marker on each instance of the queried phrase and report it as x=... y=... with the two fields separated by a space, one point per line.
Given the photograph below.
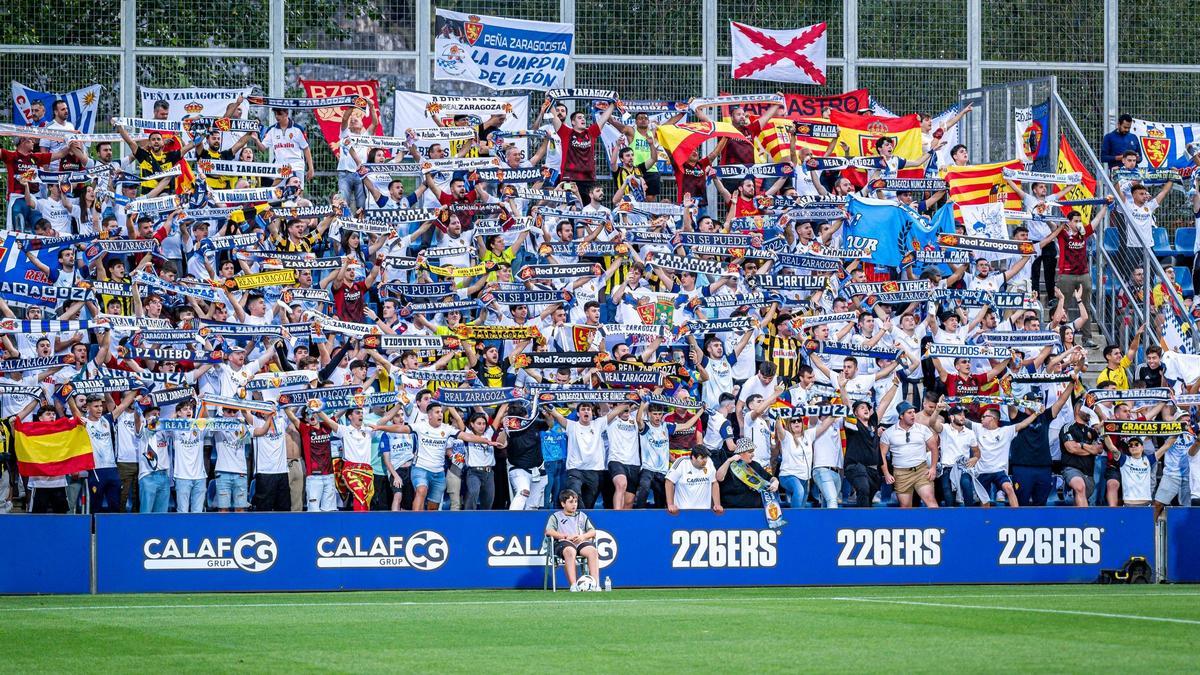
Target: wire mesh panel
x=781 y=15
x=201 y=71
x=639 y=27
x=1159 y=31
x=1160 y=97
x=196 y=23
x=912 y=29
x=53 y=73
x=1033 y=30
x=1081 y=89
x=385 y=25
x=910 y=90
x=95 y=23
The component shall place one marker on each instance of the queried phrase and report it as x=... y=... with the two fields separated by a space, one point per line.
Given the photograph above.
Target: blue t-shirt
x=554 y=443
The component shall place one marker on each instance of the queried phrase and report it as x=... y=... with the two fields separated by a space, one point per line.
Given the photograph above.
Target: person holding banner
x=578 y=141
x=349 y=184
x=288 y=145
x=736 y=492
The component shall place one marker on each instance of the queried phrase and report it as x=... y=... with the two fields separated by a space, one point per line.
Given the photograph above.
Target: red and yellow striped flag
x=776 y=137
x=979 y=184
x=55 y=448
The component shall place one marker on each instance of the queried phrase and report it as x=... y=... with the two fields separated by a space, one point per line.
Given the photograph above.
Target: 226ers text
x=705 y=549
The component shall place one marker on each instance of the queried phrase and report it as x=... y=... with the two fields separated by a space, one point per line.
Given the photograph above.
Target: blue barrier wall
x=275 y=552
x=46 y=554
x=1183 y=545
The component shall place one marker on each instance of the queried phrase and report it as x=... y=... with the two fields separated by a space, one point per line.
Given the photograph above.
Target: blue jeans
x=829 y=484
x=797 y=491
x=556 y=480
x=155 y=491
x=966 y=490
x=434 y=481
x=350 y=186
x=190 y=494
x=232 y=492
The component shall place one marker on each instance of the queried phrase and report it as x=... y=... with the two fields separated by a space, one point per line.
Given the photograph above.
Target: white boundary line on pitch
x=1028 y=610
x=896 y=599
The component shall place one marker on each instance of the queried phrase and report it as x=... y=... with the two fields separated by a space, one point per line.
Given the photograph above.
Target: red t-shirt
x=464 y=217
x=691 y=179
x=742 y=206
x=1072 y=252
x=977 y=384
x=739 y=150
x=350 y=301
x=579 y=153
x=18 y=163
x=315 y=441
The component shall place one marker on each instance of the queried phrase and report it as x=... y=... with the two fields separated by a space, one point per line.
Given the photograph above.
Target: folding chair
x=553 y=562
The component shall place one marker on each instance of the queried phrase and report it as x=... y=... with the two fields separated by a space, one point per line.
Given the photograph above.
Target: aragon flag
x=55 y=448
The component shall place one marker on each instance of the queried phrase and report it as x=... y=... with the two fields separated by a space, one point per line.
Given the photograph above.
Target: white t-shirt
x=693 y=487
x=58 y=214
x=102 y=432
x=956 y=444
x=827 y=448
x=656 y=442
x=356 y=443
x=189 y=454
x=270 y=455
x=907 y=446
x=431 y=444
x=797 y=455
x=1142 y=223
x=994 y=446
x=231 y=451
x=623 y=441
x=585 y=445
x=286 y=146
x=1137 y=479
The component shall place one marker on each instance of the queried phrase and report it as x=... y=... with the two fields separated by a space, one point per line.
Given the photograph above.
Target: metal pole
x=128 y=58
x=424 y=48
x=1112 y=63
x=974 y=43
x=850 y=44
x=709 y=28
x=566 y=14
x=276 y=69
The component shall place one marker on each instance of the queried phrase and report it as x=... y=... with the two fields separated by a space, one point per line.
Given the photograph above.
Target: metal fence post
x=566 y=14
x=128 y=58
x=709 y=29
x=850 y=44
x=1112 y=62
x=424 y=25
x=276 y=66
x=974 y=43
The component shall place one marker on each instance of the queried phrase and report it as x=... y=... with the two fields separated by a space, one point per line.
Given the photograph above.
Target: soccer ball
x=586 y=583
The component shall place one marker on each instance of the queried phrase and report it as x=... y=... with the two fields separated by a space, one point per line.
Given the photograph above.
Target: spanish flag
x=54 y=448
x=681 y=139
x=1069 y=162
x=186 y=181
x=859 y=133
x=980 y=184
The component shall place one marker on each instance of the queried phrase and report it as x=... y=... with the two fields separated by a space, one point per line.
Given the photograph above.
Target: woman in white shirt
x=795 y=439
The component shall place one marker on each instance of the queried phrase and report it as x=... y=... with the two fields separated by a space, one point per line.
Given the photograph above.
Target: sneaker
x=597 y=589
x=574 y=588
x=1091 y=345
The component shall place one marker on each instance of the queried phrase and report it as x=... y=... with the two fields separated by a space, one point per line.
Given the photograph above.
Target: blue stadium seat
x=1185 y=241
x=1112 y=240
x=1162 y=243
x=1183 y=277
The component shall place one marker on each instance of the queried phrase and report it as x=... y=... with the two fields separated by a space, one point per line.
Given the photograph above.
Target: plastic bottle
x=607 y=583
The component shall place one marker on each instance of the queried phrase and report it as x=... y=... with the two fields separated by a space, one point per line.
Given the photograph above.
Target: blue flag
x=883 y=226
x=82 y=106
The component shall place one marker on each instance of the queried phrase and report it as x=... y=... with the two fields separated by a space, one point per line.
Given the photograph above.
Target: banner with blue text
x=501 y=53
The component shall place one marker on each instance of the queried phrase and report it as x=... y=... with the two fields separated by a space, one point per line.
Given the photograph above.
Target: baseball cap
x=956 y=410
x=904 y=407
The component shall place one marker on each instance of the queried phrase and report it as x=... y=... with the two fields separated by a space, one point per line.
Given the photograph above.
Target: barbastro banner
x=366 y=551
x=501 y=53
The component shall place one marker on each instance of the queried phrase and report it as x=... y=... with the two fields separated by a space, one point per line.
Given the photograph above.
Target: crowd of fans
x=466 y=359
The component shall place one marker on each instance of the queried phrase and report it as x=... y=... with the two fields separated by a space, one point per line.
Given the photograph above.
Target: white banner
x=410 y=113
x=194 y=102
x=501 y=53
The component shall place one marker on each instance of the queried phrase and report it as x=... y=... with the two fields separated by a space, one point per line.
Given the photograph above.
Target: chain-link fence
x=913 y=55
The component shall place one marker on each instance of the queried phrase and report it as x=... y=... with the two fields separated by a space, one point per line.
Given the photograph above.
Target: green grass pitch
x=897 y=629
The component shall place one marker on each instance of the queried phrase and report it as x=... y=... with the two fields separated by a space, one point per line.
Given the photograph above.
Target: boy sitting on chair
x=573 y=534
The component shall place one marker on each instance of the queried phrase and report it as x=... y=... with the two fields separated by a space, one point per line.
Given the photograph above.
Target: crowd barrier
x=1183 y=545
x=368 y=551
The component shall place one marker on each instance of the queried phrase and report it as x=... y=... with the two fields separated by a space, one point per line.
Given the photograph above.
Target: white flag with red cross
x=780 y=55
